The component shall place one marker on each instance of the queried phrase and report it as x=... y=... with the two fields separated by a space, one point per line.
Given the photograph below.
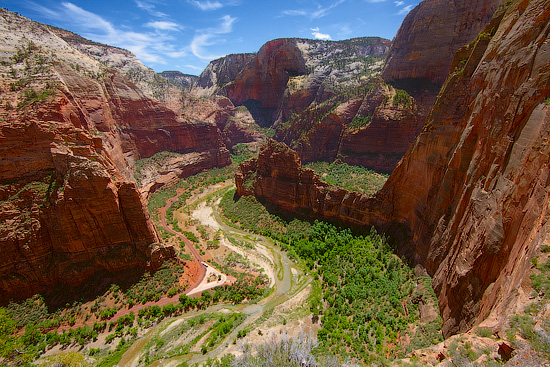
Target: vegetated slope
x=71 y=130
x=326 y=99
x=469 y=199
x=372 y=306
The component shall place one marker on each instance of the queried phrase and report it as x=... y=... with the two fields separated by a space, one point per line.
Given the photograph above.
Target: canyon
x=72 y=129
x=456 y=107
x=469 y=199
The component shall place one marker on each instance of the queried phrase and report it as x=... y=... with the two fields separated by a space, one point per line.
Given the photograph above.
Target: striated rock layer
x=326 y=100
x=431 y=34
x=70 y=133
x=469 y=199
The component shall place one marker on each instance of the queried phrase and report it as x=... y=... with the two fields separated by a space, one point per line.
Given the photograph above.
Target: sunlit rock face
x=469 y=199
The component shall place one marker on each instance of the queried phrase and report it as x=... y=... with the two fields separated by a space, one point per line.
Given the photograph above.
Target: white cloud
x=152 y=46
x=210 y=37
x=344 y=30
x=207 y=5
x=399 y=3
x=87 y=19
x=294 y=13
x=164 y=26
x=321 y=36
x=194 y=67
x=177 y=54
x=150 y=8
x=313 y=14
x=405 y=9
x=316 y=29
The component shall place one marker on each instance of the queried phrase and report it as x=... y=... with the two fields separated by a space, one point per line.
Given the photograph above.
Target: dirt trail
x=291 y=286
x=196 y=255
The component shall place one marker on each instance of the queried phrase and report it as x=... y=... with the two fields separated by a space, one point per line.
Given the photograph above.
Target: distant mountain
x=76 y=116
x=151 y=83
x=179 y=79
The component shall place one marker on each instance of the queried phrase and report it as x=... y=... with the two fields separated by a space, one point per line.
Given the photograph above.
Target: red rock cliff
x=431 y=34
x=70 y=133
x=469 y=199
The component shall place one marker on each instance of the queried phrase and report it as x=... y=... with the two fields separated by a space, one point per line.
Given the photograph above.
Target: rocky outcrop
x=287 y=75
x=431 y=34
x=277 y=177
x=152 y=84
x=70 y=133
x=65 y=211
x=220 y=72
x=469 y=199
x=374 y=131
x=179 y=79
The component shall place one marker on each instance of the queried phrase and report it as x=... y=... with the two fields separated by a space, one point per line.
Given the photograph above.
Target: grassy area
x=369 y=301
x=354 y=178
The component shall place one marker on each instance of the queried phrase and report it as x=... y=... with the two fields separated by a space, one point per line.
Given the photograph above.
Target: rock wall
x=431 y=34
x=70 y=133
x=66 y=212
x=469 y=199
x=220 y=72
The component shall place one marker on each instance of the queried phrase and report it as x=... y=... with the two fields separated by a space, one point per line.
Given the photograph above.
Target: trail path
x=288 y=282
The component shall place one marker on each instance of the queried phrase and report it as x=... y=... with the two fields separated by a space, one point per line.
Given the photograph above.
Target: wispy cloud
x=317 y=13
x=206 y=5
x=320 y=36
x=210 y=37
x=194 y=67
x=294 y=12
x=210 y=5
x=150 y=8
x=405 y=10
x=399 y=3
x=164 y=26
x=153 y=46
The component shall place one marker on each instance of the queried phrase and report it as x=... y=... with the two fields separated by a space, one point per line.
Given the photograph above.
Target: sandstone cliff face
x=65 y=211
x=179 y=79
x=152 y=84
x=469 y=199
x=315 y=95
x=277 y=176
x=220 y=72
x=431 y=34
x=70 y=133
x=287 y=75
x=374 y=131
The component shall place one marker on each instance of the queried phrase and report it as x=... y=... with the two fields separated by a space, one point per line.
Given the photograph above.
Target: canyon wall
x=71 y=131
x=469 y=199
x=431 y=34
x=326 y=100
x=220 y=72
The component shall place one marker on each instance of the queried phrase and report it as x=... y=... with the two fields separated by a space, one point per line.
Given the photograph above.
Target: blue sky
x=185 y=35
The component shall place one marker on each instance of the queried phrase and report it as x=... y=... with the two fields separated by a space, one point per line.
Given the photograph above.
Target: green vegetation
x=162 y=347
x=369 y=295
x=354 y=178
x=533 y=325
x=359 y=122
x=401 y=97
x=154 y=286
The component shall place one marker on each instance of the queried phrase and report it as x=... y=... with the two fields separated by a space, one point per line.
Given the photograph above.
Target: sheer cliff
x=338 y=100
x=71 y=130
x=469 y=199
